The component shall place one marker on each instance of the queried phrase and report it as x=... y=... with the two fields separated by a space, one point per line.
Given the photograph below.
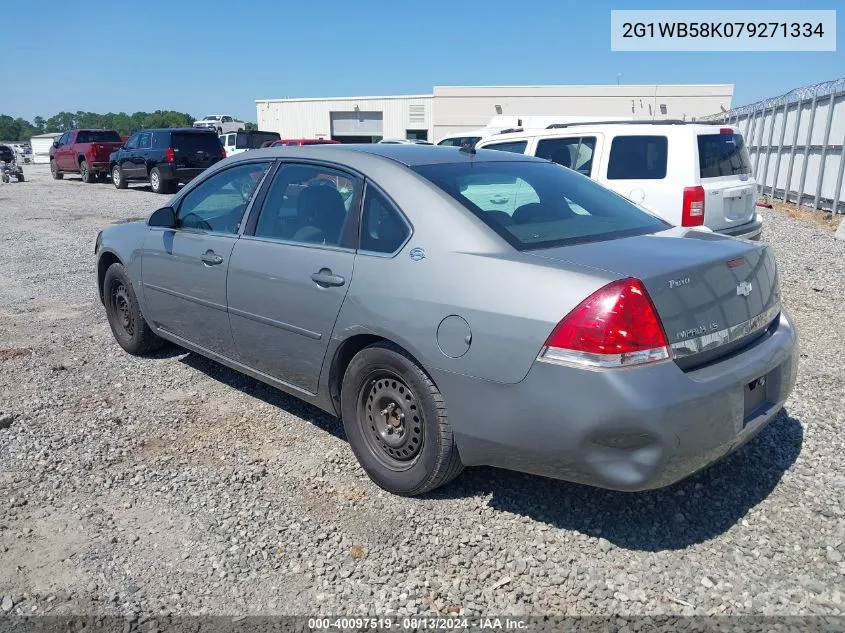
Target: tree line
x=20 y=129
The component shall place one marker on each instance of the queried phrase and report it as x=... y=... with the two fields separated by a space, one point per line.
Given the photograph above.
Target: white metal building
x=451 y=109
x=41 y=145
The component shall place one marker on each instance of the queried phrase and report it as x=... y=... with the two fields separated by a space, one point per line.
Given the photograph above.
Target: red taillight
x=222 y=152
x=169 y=155
x=693 y=211
x=726 y=130
x=617 y=326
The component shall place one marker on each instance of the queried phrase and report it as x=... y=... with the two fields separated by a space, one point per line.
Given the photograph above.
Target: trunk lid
x=712 y=293
x=725 y=173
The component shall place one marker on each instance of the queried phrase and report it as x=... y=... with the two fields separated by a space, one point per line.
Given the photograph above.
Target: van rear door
x=725 y=173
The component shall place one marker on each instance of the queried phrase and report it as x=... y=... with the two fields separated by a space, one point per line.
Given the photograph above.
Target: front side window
x=517 y=147
x=310 y=204
x=573 y=152
x=535 y=205
x=145 y=140
x=638 y=158
x=218 y=203
x=227 y=119
x=382 y=228
x=132 y=143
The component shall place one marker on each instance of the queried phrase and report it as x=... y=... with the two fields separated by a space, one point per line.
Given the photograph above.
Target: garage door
x=356 y=123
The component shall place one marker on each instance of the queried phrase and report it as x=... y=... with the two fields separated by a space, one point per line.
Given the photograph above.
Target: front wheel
x=117 y=177
x=127 y=323
x=85 y=172
x=54 y=171
x=395 y=419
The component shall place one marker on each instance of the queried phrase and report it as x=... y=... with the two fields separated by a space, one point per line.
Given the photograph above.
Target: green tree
x=251 y=126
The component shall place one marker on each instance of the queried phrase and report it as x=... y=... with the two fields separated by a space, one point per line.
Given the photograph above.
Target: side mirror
x=55 y=144
x=163 y=218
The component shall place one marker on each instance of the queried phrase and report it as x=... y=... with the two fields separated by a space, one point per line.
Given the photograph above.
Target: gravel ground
x=136 y=486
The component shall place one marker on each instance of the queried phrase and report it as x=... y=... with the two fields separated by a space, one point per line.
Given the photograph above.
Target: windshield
x=211 y=117
x=469 y=141
x=98 y=136
x=722 y=155
x=536 y=205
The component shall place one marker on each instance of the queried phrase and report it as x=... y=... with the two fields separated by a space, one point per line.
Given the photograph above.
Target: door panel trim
x=279 y=324
x=173 y=293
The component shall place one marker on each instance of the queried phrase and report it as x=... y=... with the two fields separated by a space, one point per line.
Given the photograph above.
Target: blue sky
x=213 y=56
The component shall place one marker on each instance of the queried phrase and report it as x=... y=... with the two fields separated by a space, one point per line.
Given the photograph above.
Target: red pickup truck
x=84 y=152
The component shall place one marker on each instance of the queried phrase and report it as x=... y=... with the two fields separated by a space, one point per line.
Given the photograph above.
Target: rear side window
x=722 y=155
x=145 y=140
x=517 y=147
x=192 y=143
x=575 y=152
x=382 y=228
x=638 y=158
x=98 y=136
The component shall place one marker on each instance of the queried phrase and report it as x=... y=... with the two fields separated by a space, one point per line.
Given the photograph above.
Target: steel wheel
x=391 y=420
x=155 y=181
x=121 y=308
x=83 y=171
x=115 y=176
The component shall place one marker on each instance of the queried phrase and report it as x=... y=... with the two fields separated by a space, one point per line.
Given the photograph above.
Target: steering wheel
x=193 y=221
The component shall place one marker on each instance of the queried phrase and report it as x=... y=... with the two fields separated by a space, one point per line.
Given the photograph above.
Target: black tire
x=54 y=171
x=117 y=177
x=157 y=183
x=409 y=450
x=127 y=323
x=85 y=172
x=21 y=178
x=219 y=131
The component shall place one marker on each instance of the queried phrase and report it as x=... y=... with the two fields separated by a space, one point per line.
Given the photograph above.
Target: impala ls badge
x=744 y=288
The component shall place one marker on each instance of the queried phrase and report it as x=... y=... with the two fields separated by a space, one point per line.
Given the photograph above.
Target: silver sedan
x=457 y=308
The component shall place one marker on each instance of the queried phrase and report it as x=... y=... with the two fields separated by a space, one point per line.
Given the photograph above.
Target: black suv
x=165 y=157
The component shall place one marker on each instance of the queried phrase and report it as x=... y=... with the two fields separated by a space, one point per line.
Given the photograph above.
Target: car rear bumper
x=179 y=174
x=748 y=231
x=99 y=165
x=630 y=429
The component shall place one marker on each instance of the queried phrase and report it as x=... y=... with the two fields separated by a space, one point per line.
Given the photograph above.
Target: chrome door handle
x=326 y=278
x=211 y=259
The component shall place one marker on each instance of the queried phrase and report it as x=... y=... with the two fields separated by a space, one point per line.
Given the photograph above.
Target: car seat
x=322 y=211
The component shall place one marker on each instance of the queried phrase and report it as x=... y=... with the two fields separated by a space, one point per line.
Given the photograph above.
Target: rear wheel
x=21 y=178
x=54 y=171
x=117 y=177
x=396 y=423
x=85 y=172
x=125 y=319
x=157 y=183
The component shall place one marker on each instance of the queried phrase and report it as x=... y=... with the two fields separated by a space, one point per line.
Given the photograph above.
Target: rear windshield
x=253 y=140
x=637 y=158
x=536 y=205
x=188 y=142
x=722 y=155
x=462 y=141
x=98 y=136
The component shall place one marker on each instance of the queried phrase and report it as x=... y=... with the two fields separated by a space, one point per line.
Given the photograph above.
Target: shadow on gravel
x=691 y=511
x=268 y=394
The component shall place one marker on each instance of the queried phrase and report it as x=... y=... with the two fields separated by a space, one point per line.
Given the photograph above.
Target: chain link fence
x=795 y=142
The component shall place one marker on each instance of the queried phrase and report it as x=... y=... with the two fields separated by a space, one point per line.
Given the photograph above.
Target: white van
x=690 y=174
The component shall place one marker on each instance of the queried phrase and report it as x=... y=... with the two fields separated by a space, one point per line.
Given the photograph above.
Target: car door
x=290 y=271
x=184 y=268
x=141 y=155
x=63 y=151
x=125 y=158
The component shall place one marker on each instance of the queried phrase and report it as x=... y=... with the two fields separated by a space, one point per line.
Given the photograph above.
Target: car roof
x=410 y=155
x=192 y=130
x=619 y=127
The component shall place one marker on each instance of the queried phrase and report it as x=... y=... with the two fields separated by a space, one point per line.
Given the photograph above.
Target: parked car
x=221 y=123
x=707 y=182
x=578 y=337
x=503 y=123
x=404 y=141
x=9 y=167
x=305 y=141
x=237 y=142
x=165 y=157
x=83 y=152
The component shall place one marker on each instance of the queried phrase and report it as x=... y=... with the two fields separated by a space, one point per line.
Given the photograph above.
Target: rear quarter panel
x=510 y=303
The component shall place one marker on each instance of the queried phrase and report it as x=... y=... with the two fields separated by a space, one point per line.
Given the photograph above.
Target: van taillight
x=169 y=155
x=222 y=152
x=726 y=130
x=693 y=211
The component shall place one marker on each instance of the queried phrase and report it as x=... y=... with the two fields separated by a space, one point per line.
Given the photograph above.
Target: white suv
x=690 y=174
